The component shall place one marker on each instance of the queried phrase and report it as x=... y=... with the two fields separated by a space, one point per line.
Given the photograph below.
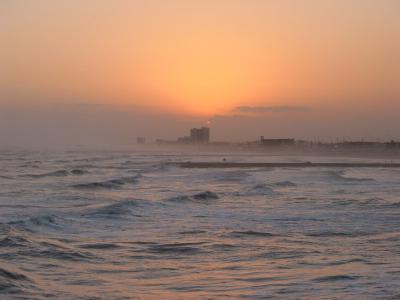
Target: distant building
x=276 y=142
x=197 y=136
x=184 y=140
x=165 y=142
x=393 y=145
x=141 y=140
x=360 y=144
x=200 y=135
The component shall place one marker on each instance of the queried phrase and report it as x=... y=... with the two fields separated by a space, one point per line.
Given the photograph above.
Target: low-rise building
x=276 y=142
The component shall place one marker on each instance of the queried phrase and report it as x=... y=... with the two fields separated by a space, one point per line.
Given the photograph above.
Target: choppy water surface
x=92 y=225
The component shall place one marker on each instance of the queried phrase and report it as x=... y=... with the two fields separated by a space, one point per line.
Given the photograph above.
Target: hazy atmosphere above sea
x=102 y=72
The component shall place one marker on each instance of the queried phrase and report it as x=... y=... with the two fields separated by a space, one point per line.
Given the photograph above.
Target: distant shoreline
x=205 y=165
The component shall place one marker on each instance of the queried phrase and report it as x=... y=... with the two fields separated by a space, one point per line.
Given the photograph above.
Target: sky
x=96 y=71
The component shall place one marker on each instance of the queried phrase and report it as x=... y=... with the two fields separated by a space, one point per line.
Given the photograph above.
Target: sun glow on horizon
x=201 y=57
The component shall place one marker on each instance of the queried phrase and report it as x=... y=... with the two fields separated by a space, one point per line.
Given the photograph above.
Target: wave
x=259 y=190
x=12 y=275
x=347 y=261
x=341 y=176
x=199 y=197
x=393 y=205
x=100 y=246
x=22 y=243
x=232 y=176
x=331 y=278
x=45 y=220
x=372 y=202
x=83 y=166
x=180 y=199
x=58 y=173
x=78 y=172
x=291 y=254
x=205 y=196
x=190 y=232
x=175 y=248
x=94 y=159
x=108 y=184
x=251 y=233
x=14 y=241
x=13 y=280
x=337 y=234
x=49 y=221
x=285 y=184
x=224 y=247
x=114 y=209
x=54 y=251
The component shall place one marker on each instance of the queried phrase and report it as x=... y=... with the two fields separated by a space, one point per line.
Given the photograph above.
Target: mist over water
x=126 y=225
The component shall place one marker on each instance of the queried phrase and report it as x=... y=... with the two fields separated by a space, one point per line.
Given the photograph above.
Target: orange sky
x=307 y=69
x=202 y=57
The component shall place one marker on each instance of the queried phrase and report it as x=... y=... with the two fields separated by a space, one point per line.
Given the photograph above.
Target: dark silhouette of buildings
x=360 y=144
x=141 y=140
x=184 y=140
x=392 y=145
x=197 y=136
x=200 y=135
x=276 y=142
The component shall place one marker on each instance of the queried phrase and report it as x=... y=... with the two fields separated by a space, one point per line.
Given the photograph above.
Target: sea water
x=129 y=225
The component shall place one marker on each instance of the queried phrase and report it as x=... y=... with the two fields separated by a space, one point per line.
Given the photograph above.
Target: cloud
x=271 y=109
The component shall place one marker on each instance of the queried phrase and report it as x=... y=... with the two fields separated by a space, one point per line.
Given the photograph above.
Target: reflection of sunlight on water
x=181 y=233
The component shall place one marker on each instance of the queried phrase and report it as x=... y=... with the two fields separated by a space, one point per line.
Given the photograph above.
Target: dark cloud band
x=271 y=109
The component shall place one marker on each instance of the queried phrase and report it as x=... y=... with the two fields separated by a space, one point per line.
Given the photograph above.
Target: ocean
x=129 y=225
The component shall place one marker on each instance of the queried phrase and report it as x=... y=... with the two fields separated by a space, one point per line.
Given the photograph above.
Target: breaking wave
x=108 y=184
x=115 y=209
x=341 y=176
x=45 y=220
x=259 y=190
x=59 y=173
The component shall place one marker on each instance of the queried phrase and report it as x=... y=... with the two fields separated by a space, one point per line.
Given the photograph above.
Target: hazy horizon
x=102 y=72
